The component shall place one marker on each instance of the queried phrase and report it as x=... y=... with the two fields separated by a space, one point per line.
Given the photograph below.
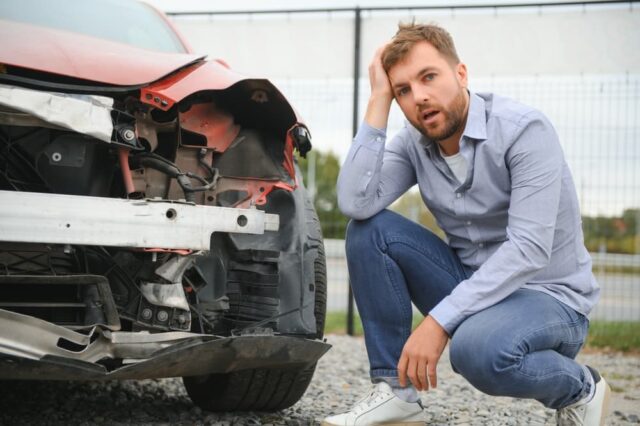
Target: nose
x=420 y=94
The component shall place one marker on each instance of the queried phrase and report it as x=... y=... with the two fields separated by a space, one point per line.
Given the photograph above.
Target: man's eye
x=402 y=91
x=430 y=76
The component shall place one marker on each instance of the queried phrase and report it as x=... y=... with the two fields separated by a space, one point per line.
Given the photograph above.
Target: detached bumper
x=28 y=217
x=38 y=350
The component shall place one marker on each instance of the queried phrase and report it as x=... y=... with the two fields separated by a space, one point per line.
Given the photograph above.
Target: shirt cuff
x=447 y=315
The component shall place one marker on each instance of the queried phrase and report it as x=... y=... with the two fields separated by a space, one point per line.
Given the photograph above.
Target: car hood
x=88 y=58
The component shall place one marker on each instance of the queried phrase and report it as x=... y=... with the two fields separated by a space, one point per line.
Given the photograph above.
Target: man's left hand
x=421 y=354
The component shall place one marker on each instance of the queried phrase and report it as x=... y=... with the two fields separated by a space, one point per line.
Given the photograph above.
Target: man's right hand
x=381 y=94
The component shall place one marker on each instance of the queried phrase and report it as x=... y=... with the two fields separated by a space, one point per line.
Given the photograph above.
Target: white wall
x=550 y=40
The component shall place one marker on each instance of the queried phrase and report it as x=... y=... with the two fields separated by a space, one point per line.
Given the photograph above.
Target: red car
x=153 y=220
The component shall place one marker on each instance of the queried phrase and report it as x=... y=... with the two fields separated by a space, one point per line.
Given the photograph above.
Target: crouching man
x=513 y=285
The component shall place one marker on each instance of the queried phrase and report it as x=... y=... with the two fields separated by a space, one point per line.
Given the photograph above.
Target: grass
x=603 y=335
x=336 y=323
x=623 y=336
x=614 y=269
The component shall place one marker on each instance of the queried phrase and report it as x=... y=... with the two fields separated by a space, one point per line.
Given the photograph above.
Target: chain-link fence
x=595 y=108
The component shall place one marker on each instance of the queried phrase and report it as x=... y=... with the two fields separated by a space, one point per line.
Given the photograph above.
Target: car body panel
x=83 y=57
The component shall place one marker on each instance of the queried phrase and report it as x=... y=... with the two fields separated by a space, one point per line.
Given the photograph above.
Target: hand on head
x=381 y=94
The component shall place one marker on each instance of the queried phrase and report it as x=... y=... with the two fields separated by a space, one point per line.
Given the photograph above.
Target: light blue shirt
x=514 y=220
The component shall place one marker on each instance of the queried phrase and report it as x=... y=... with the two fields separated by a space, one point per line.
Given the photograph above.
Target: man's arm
x=372 y=177
x=535 y=161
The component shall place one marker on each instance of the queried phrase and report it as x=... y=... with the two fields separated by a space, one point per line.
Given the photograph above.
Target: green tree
x=411 y=206
x=327 y=167
x=617 y=234
x=333 y=222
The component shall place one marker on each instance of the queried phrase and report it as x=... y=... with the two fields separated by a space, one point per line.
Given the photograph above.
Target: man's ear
x=461 y=75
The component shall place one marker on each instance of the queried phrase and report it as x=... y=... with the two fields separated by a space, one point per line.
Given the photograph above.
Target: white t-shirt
x=457 y=164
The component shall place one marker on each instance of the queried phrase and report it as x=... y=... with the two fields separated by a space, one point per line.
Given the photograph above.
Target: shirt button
x=378 y=139
x=368 y=173
x=480 y=245
x=468 y=222
x=458 y=195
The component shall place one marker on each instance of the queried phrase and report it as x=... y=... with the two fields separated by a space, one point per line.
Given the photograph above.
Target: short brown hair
x=410 y=34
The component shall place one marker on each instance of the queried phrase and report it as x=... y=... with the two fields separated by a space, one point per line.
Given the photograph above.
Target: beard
x=454 y=119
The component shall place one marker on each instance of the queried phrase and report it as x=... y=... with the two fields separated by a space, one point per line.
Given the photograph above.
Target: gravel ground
x=341 y=378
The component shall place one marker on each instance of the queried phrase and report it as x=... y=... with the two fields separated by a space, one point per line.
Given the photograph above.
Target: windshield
x=124 y=21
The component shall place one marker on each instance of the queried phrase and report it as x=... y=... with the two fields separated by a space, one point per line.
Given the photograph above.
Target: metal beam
x=70 y=219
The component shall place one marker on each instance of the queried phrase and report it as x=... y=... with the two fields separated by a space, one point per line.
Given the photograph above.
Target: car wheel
x=262 y=389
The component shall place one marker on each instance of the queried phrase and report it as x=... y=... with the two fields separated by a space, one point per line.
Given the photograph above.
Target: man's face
x=431 y=92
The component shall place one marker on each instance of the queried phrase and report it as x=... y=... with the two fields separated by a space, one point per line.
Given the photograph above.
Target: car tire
x=263 y=389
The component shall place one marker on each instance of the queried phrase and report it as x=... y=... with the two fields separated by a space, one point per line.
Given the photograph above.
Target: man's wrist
x=434 y=324
x=378 y=109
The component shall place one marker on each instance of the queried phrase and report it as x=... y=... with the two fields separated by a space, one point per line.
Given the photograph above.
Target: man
x=512 y=287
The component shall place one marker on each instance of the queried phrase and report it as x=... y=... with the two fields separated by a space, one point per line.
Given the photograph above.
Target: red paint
x=123 y=156
x=181 y=252
x=84 y=57
x=256 y=189
x=216 y=125
x=288 y=154
x=206 y=75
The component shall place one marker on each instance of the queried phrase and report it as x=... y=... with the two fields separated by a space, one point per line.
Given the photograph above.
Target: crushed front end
x=154 y=230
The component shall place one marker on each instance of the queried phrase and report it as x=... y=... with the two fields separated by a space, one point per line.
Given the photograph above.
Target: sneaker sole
x=605 y=405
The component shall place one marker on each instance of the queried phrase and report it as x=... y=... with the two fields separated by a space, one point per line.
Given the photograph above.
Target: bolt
x=162 y=316
x=164 y=103
x=128 y=135
x=146 y=314
x=182 y=319
x=56 y=156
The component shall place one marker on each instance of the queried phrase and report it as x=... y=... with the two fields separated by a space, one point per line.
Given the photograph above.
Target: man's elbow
x=351 y=210
x=537 y=255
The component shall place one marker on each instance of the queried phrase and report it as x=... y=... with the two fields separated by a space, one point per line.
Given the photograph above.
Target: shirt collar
x=476 y=127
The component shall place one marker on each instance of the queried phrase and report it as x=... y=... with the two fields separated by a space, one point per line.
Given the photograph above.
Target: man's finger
x=412 y=372
x=402 y=370
x=422 y=376
x=433 y=376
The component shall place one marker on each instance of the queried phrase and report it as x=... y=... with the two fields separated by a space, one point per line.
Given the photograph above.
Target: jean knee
x=484 y=359
x=363 y=234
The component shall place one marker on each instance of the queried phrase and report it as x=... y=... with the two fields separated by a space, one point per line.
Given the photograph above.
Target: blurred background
x=578 y=62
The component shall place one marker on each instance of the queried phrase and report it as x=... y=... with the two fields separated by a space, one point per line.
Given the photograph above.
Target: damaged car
x=153 y=219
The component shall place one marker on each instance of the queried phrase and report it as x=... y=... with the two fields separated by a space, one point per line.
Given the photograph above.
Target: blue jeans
x=523 y=347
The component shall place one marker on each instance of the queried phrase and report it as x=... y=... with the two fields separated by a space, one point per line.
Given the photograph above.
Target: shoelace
x=372 y=397
x=570 y=416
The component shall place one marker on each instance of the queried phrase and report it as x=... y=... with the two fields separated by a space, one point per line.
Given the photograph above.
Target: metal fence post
x=356 y=94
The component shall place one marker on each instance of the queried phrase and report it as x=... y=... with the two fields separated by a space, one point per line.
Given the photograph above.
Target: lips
x=430 y=115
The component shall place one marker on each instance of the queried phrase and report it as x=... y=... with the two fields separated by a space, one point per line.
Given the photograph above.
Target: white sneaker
x=590 y=413
x=380 y=407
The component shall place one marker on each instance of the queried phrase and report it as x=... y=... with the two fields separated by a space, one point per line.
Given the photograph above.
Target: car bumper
x=39 y=350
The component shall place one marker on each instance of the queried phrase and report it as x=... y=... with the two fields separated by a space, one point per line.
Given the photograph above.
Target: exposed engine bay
x=131 y=213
